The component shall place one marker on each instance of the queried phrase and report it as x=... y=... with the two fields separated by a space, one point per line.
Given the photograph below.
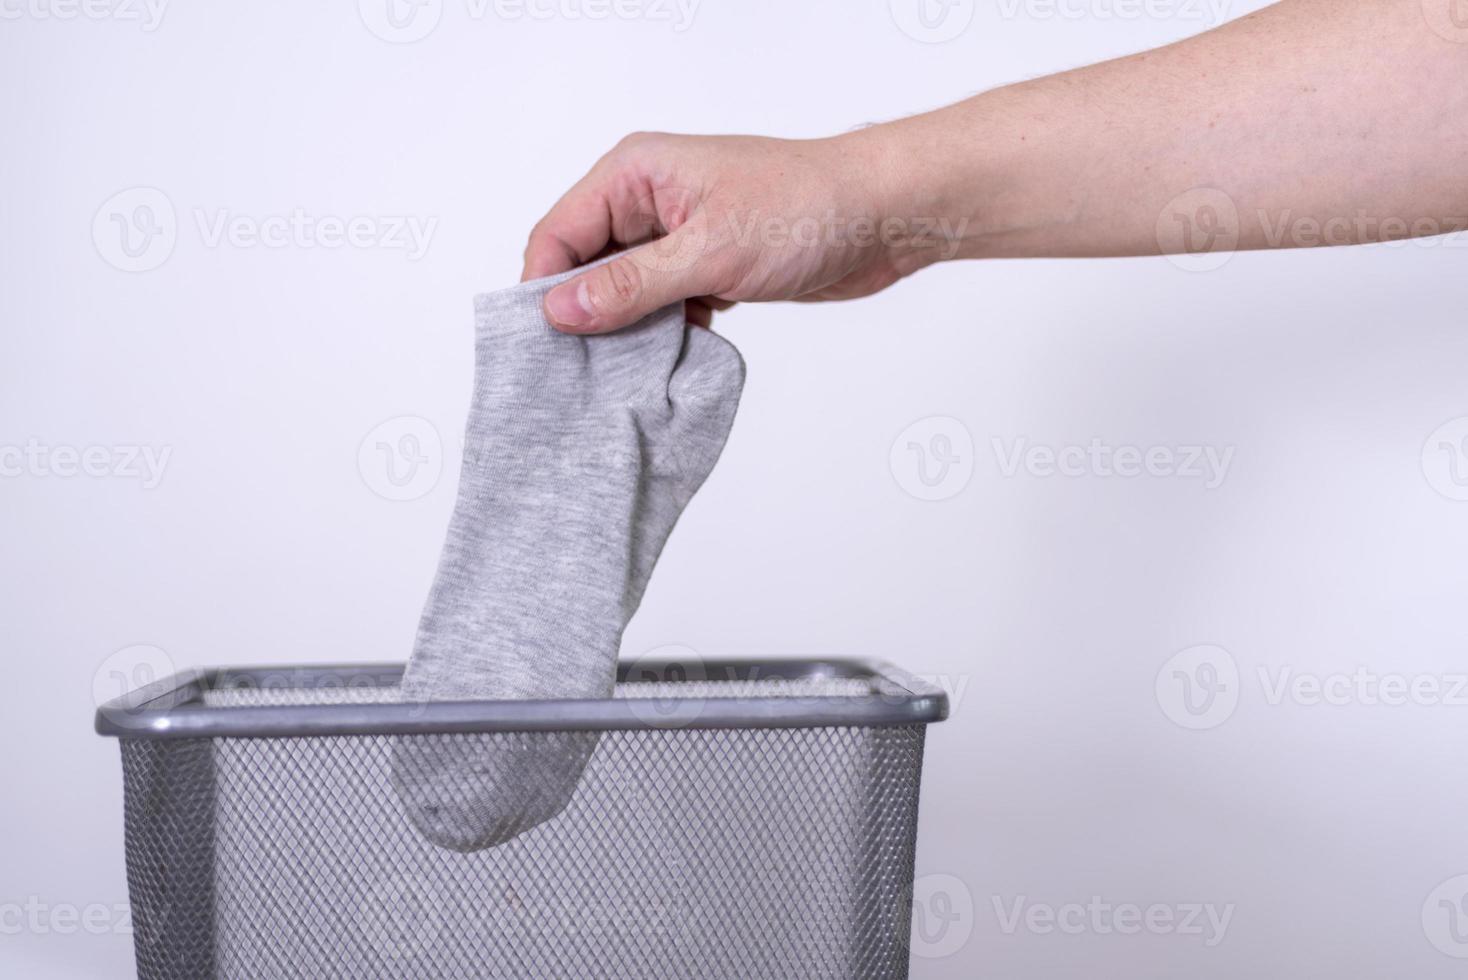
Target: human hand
x=726 y=219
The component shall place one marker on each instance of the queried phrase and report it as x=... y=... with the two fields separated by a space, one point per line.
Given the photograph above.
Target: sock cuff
x=518 y=309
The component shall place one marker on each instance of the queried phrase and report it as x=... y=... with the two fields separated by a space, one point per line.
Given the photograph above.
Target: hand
x=720 y=220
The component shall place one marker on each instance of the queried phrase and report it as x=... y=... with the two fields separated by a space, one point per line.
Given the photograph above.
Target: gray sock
x=580 y=454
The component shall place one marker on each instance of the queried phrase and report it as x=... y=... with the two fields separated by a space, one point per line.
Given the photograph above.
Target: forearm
x=1320 y=121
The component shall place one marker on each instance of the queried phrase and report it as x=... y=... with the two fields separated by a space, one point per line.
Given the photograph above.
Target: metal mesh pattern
x=724 y=853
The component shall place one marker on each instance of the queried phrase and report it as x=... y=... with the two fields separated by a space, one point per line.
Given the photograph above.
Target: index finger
x=612 y=204
x=575 y=229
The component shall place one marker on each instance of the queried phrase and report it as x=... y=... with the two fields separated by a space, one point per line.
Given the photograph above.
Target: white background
x=1049 y=605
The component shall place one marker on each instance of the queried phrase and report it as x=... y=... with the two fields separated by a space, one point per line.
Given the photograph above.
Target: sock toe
x=467 y=793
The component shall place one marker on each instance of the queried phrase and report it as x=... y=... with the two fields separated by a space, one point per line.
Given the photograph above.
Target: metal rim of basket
x=171 y=708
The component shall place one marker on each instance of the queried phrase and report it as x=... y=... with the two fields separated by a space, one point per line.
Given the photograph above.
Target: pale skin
x=1310 y=122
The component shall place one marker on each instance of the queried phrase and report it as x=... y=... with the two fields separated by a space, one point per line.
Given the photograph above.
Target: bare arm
x=1310 y=109
x=1312 y=122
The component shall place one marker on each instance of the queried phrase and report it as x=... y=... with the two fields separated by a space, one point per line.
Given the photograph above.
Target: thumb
x=618 y=293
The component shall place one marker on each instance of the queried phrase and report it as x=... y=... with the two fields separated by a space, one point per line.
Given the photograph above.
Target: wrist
x=913 y=172
x=994 y=174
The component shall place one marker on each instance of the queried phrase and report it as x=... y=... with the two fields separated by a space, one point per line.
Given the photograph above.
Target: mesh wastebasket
x=756 y=820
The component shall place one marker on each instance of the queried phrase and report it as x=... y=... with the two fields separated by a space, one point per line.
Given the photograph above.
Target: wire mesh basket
x=758 y=821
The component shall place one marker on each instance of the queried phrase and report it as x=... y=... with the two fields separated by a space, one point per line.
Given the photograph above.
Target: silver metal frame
x=172 y=708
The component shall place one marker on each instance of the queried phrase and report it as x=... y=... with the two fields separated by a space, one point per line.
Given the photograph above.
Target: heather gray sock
x=579 y=456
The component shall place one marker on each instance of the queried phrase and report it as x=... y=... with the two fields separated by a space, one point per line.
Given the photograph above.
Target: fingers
x=598 y=211
x=635 y=284
x=700 y=311
x=617 y=204
x=575 y=230
x=698 y=314
x=613 y=204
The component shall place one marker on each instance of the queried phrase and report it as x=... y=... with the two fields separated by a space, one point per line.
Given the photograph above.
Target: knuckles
x=622 y=284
